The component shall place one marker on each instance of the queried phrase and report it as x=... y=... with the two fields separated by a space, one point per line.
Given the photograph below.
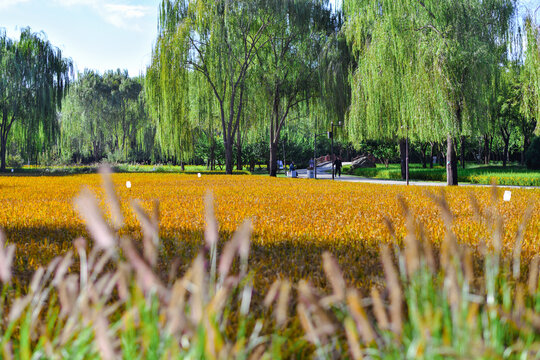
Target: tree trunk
x=238 y=150
x=463 y=151
x=432 y=144
x=212 y=153
x=451 y=162
x=3 y=154
x=228 y=157
x=402 y=154
x=505 y=134
x=487 y=150
x=273 y=158
x=505 y=155
x=525 y=146
x=423 y=151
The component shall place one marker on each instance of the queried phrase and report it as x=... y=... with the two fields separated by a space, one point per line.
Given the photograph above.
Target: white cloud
x=123 y=16
x=120 y=15
x=4 y=4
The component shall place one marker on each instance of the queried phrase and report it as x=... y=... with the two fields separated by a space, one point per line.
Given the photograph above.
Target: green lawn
x=473 y=173
x=85 y=169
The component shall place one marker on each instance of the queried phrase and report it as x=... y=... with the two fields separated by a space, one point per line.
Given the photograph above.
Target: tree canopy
x=530 y=76
x=425 y=68
x=33 y=79
x=216 y=39
x=105 y=115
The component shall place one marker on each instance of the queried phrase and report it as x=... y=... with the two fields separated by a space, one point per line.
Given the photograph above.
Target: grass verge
x=476 y=174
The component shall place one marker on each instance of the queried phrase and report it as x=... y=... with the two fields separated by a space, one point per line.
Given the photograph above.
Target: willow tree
x=33 y=79
x=216 y=39
x=104 y=115
x=287 y=66
x=530 y=74
x=425 y=68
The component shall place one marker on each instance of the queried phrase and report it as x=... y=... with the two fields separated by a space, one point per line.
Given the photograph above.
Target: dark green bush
x=15 y=161
x=532 y=156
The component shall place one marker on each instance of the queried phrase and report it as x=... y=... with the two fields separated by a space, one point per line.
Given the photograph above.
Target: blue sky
x=96 y=34
x=101 y=34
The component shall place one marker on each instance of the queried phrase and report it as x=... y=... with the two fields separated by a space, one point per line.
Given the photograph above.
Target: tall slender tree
x=530 y=74
x=287 y=66
x=425 y=68
x=33 y=79
x=218 y=40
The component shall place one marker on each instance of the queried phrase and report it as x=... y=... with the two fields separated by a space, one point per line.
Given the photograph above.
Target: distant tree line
x=253 y=81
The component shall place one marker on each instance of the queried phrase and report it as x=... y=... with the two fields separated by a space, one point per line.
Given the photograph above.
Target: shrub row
x=485 y=176
x=515 y=180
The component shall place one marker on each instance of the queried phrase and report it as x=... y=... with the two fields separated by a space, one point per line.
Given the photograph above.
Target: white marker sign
x=507 y=195
x=128 y=184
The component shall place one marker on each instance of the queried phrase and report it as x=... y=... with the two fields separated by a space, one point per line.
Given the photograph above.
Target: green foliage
x=532 y=156
x=298 y=59
x=33 y=79
x=425 y=68
x=530 y=76
x=385 y=151
x=511 y=175
x=216 y=43
x=105 y=117
x=506 y=179
x=15 y=161
x=167 y=85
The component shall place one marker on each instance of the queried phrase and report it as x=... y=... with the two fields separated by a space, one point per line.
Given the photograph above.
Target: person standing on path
x=337 y=166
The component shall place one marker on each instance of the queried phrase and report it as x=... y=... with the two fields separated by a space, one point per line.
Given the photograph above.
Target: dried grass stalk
x=147 y=280
x=239 y=244
x=324 y=326
x=6 y=259
x=394 y=288
x=87 y=206
x=307 y=325
x=518 y=243
x=63 y=268
x=211 y=230
x=334 y=276
x=272 y=293
x=352 y=339
x=468 y=270
x=359 y=315
x=412 y=259
x=283 y=303
x=112 y=199
x=533 y=275
x=519 y=301
x=101 y=327
x=7 y=353
x=379 y=310
x=176 y=319
x=198 y=282
x=150 y=233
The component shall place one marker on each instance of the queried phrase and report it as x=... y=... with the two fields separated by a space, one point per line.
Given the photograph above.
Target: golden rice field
x=294 y=220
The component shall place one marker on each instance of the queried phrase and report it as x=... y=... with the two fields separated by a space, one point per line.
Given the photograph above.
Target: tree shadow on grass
x=294 y=259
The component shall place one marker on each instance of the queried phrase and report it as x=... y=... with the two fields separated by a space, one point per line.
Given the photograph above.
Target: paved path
x=324 y=172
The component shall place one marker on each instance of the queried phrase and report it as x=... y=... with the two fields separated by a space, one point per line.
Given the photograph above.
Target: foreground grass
x=476 y=174
x=433 y=305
